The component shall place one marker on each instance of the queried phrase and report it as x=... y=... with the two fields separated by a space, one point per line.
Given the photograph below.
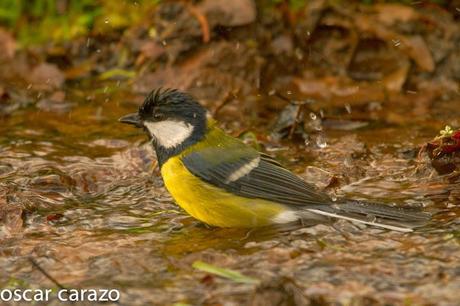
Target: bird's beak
x=133 y=119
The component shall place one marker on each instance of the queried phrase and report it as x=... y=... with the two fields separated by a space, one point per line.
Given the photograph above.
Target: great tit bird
x=221 y=181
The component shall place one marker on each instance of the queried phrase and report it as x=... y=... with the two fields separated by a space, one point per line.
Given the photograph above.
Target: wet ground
x=86 y=203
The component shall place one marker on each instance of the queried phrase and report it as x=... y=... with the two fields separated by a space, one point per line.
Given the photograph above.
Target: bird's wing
x=248 y=173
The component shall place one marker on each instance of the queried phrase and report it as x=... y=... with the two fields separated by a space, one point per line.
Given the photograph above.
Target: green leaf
x=447 y=132
x=117 y=73
x=225 y=273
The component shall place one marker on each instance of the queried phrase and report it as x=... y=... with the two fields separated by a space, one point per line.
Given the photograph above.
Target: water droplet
x=106 y=21
x=289 y=92
x=347 y=162
x=321 y=113
x=396 y=42
x=29 y=86
x=299 y=54
x=307 y=141
x=98 y=114
x=321 y=142
x=374 y=106
x=98 y=51
x=348 y=108
x=313 y=116
x=164 y=43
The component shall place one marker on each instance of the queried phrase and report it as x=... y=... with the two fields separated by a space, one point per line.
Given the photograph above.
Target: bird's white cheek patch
x=286 y=217
x=169 y=133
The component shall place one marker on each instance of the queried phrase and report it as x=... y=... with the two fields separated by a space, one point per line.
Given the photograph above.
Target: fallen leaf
x=54 y=217
x=343 y=124
x=151 y=49
x=117 y=73
x=10 y=218
x=395 y=80
x=417 y=49
x=225 y=273
x=390 y=13
x=55 y=103
x=46 y=76
x=7 y=45
x=414 y=46
x=229 y=13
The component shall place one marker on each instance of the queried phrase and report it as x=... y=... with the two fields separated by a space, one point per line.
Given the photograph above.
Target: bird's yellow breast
x=214 y=205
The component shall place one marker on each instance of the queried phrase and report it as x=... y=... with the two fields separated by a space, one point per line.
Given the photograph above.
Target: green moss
x=41 y=21
x=15 y=283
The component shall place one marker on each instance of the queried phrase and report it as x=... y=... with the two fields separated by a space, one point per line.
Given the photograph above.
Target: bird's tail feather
x=375 y=214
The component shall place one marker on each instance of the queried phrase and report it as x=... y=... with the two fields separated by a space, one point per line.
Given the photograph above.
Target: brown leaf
x=10 y=218
x=390 y=13
x=55 y=103
x=395 y=80
x=229 y=13
x=416 y=48
x=7 y=45
x=46 y=76
x=413 y=46
x=151 y=49
x=58 y=96
x=338 y=90
x=232 y=69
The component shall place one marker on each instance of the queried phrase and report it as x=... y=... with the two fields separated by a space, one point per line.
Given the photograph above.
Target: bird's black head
x=173 y=120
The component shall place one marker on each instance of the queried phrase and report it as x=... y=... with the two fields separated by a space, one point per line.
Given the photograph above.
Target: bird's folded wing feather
x=248 y=173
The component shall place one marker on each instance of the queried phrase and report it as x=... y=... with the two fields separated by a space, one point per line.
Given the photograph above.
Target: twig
x=277 y=94
x=228 y=97
x=296 y=121
x=203 y=22
x=39 y=268
x=54 y=281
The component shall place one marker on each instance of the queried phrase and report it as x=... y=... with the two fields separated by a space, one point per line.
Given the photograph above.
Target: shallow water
x=96 y=215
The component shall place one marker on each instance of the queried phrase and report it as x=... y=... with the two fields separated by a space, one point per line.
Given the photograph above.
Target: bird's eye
x=157 y=116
